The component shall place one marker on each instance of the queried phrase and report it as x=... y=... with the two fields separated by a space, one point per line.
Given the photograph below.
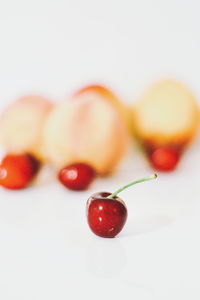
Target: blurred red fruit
x=17 y=171
x=35 y=163
x=164 y=158
x=77 y=176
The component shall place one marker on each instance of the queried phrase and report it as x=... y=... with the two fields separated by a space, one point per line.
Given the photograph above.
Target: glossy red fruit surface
x=16 y=171
x=106 y=217
x=77 y=176
x=164 y=158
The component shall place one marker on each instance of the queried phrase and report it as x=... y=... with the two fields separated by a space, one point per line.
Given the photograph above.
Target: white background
x=46 y=248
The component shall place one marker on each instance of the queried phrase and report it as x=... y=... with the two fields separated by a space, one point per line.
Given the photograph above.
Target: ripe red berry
x=106 y=217
x=36 y=164
x=107 y=213
x=17 y=171
x=77 y=176
x=164 y=158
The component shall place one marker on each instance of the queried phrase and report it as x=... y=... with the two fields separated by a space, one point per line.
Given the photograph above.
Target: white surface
x=46 y=248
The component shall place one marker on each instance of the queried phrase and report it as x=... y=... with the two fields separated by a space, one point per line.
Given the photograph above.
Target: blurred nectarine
x=166 y=115
x=21 y=125
x=87 y=128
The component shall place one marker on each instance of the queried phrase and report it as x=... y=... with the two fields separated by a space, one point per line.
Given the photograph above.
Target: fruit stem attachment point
x=153 y=176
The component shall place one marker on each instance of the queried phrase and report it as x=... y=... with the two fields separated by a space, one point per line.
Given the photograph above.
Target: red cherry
x=164 y=158
x=106 y=217
x=77 y=176
x=36 y=164
x=16 y=171
x=107 y=213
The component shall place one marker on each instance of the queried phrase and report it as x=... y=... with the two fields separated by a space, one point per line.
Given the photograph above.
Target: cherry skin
x=36 y=164
x=77 y=176
x=17 y=171
x=106 y=217
x=164 y=158
x=107 y=213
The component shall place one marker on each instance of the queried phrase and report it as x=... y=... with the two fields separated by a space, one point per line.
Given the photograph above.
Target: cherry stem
x=153 y=176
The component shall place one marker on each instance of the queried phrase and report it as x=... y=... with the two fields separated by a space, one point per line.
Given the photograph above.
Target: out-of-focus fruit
x=164 y=158
x=21 y=125
x=165 y=120
x=77 y=176
x=167 y=114
x=17 y=171
x=87 y=128
x=36 y=164
x=99 y=91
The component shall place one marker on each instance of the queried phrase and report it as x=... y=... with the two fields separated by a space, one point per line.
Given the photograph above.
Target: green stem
x=153 y=176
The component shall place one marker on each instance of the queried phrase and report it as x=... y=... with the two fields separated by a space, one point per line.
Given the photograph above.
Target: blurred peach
x=166 y=114
x=99 y=91
x=89 y=128
x=21 y=125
